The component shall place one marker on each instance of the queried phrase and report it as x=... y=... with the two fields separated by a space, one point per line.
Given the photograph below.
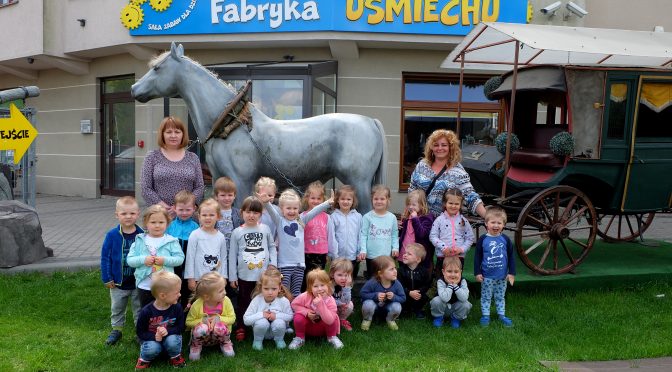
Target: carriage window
x=618 y=103
x=655 y=111
x=551 y=109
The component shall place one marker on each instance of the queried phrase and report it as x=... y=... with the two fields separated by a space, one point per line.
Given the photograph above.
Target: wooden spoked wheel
x=615 y=228
x=556 y=229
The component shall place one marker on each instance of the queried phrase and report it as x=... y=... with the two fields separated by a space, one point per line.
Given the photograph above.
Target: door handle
x=110 y=147
x=637 y=159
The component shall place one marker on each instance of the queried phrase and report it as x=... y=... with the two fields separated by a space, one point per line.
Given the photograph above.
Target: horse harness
x=235 y=114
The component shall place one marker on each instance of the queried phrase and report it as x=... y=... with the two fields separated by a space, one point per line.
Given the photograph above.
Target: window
x=7 y=2
x=654 y=115
x=430 y=103
x=618 y=105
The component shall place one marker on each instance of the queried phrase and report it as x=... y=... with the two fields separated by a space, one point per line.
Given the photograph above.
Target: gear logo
x=132 y=16
x=160 y=5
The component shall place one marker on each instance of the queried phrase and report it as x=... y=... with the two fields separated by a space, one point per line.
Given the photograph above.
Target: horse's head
x=161 y=79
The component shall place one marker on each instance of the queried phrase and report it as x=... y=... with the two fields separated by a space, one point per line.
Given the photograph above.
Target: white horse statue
x=349 y=147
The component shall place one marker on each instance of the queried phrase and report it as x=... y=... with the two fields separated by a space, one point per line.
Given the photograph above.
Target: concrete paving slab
x=648 y=365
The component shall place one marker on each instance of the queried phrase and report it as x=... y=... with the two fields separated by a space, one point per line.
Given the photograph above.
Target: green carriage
x=587 y=148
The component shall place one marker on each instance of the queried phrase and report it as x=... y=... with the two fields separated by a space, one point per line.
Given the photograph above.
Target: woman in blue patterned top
x=443 y=150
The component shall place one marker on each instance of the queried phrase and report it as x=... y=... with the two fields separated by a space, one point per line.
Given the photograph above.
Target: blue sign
x=430 y=17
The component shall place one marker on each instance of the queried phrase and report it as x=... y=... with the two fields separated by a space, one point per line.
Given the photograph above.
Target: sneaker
x=346 y=325
x=391 y=324
x=114 y=337
x=335 y=342
x=258 y=345
x=420 y=315
x=142 y=364
x=366 y=324
x=227 y=349
x=240 y=334
x=438 y=321
x=178 y=361
x=195 y=352
x=280 y=344
x=485 y=321
x=454 y=323
x=296 y=343
x=506 y=322
x=289 y=331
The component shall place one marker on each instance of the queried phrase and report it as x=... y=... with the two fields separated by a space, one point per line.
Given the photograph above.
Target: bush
x=562 y=144
x=500 y=142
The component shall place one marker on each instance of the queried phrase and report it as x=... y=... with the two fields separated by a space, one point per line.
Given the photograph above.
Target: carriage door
x=118 y=137
x=648 y=177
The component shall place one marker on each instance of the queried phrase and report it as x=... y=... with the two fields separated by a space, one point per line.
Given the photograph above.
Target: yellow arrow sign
x=16 y=133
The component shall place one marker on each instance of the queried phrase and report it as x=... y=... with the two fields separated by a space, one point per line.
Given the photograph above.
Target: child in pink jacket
x=315 y=311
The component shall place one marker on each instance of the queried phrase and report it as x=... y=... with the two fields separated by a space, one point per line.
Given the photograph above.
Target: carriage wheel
x=622 y=227
x=558 y=227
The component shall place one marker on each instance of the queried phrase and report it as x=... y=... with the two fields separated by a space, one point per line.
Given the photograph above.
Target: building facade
x=376 y=58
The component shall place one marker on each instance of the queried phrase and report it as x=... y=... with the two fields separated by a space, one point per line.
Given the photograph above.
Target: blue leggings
x=490 y=287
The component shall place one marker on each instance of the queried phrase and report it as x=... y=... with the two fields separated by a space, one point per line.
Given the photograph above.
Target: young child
x=415 y=278
x=452 y=300
x=252 y=250
x=207 y=249
x=315 y=311
x=210 y=316
x=266 y=186
x=291 y=259
x=494 y=265
x=451 y=233
x=115 y=272
x=379 y=235
x=382 y=294
x=315 y=233
x=225 y=193
x=343 y=227
x=416 y=223
x=270 y=310
x=340 y=272
x=161 y=323
x=181 y=227
x=153 y=251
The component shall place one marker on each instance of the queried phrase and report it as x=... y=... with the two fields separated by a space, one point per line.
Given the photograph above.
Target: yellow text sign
x=16 y=133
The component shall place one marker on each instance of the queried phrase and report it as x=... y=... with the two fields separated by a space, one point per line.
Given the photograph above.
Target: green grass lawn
x=59 y=322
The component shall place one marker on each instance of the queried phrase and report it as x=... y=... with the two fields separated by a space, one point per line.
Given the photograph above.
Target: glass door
x=118 y=134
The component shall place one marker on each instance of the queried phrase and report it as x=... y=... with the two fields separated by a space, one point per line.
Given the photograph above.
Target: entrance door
x=648 y=180
x=118 y=137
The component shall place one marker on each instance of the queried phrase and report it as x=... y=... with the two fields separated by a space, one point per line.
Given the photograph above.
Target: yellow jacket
x=196 y=314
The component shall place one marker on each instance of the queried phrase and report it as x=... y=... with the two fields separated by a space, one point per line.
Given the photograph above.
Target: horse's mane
x=158 y=59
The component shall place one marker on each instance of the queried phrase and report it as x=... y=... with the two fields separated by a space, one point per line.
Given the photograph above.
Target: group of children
x=267 y=255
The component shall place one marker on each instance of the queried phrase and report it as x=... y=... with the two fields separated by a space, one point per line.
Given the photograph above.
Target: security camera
x=550 y=9
x=579 y=11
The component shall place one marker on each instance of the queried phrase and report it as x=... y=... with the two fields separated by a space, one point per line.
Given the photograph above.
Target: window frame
x=447 y=106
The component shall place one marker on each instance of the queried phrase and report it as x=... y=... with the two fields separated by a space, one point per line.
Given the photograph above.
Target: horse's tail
x=381 y=171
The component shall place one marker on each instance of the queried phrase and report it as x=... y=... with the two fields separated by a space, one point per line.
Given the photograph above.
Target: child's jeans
x=245 y=289
x=490 y=287
x=172 y=344
x=305 y=327
x=458 y=310
x=202 y=336
x=414 y=306
x=263 y=329
x=344 y=311
x=118 y=302
x=292 y=278
x=391 y=310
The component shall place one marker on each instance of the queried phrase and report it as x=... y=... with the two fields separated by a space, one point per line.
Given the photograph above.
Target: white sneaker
x=335 y=342
x=296 y=343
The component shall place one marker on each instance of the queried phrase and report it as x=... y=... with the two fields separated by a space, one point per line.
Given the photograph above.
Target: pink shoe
x=227 y=349
x=346 y=325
